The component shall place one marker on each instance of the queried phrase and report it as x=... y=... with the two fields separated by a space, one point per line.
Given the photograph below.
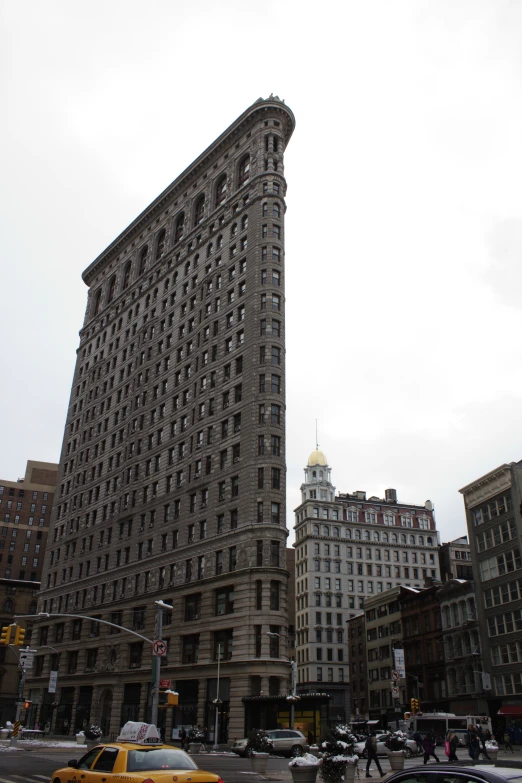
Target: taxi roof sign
x=140 y=733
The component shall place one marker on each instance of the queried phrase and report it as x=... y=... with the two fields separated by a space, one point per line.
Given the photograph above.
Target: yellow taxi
x=137 y=756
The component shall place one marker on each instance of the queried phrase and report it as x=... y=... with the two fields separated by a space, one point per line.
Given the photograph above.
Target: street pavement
x=38 y=765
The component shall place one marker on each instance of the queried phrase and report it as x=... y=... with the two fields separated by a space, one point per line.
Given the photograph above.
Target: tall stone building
x=348 y=549
x=494 y=515
x=172 y=472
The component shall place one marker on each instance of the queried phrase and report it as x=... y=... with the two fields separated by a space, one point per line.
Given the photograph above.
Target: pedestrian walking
x=183 y=737
x=418 y=739
x=371 y=750
x=482 y=740
x=453 y=743
x=473 y=743
x=429 y=748
x=507 y=742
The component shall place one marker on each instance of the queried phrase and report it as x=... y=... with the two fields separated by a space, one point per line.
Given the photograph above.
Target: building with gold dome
x=350 y=547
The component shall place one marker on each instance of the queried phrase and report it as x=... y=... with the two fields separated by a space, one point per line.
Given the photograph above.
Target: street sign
x=26 y=659
x=395 y=675
x=53 y=680
x=395 y=692
x=164 y=683
x=159 y=648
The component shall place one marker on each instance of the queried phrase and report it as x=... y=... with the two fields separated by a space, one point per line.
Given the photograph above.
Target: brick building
x=172 y=471
x=358 y=668
x=25 y=515
x=424 y=648
x=455 y=559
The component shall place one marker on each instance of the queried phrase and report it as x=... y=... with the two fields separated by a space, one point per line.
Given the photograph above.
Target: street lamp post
x=161 y=607
x=159 y=630
x=217 y=701
x=292 y=698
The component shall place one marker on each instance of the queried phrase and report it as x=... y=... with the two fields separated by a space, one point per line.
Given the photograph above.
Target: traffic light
x=167 y=699
x=414 y=704
x=19 y=636
x=27 y=703
x=5 y=638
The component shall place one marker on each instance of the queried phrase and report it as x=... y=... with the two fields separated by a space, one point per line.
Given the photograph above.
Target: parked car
x=452 y=773
x=382 y=750
x=287 y=742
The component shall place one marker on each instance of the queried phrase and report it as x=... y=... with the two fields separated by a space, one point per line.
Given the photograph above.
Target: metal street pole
x=161 y=607
x=19 y=700
x=157 y=664
x=217 y=701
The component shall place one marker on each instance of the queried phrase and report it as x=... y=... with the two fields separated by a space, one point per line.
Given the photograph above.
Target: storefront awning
x=373 y=722
x=511 y=709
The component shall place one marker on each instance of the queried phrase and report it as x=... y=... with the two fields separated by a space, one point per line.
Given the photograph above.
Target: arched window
x=276 y=210
x=112 y=288
x=180 y=225
x=199 y=210
x=265 y=209
x=376 y=536
x=385 y=538
x=366 y=535
x=315 y=530
x=32 y=607
x=357 y=535
x=97 y=302
x=348 y=533
x=221 y=190
x=326 y=530
x=143 y=259
x=9 y=606
x=412 y=539
x=421 y=540
x=403 y=539
x=321 y=475
x=126 y=276
x=314 y=474
x=429 y=540
x=160 y=247
x=244 y=170
x=394 y=538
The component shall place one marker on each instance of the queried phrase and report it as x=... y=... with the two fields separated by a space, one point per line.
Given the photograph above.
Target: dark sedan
x=451 y=773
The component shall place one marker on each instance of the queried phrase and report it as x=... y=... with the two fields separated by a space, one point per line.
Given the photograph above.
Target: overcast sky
x=404 y=221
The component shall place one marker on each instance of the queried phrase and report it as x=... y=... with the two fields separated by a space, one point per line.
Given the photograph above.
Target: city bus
x=439 y=723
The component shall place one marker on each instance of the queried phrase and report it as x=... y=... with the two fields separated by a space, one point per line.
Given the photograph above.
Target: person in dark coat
x=482 y=740
x=429 y=748
x=371 y=749
x=473 y=743
x=418 y=739
x=183 y=737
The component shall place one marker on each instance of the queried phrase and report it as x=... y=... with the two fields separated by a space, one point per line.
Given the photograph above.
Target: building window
x=224 y=601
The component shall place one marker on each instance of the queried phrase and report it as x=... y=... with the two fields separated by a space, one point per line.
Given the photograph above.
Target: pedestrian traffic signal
x=19 y=636
x=168 y=698
x=5 y=637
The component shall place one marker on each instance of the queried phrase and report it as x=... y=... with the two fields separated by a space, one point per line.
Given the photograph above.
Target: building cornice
x=183 y=181
x=487 y=486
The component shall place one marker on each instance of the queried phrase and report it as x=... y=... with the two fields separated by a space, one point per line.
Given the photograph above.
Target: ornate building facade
x=172 y=472
x=348 y=549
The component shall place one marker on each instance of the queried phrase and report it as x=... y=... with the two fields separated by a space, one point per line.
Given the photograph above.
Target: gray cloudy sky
x=404 y=222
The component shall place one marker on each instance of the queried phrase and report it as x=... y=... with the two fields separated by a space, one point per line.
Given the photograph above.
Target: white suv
x=287 y=742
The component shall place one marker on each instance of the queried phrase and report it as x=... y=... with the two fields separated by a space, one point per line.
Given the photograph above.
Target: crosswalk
x=27 y=778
